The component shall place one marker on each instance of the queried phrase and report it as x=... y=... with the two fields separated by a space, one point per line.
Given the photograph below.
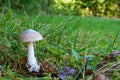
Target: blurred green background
x=104 y=8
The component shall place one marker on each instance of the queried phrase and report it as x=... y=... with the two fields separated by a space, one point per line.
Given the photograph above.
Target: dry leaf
x=108 y=58
x=67 y=72
x=101 y=77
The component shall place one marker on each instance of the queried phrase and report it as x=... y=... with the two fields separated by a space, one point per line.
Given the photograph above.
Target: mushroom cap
x=30 y=36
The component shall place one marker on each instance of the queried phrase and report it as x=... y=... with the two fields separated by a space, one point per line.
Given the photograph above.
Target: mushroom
x=31 y=36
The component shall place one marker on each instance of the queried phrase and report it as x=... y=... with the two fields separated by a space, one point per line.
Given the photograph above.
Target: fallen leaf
x=67 y=72
x=108 y=58
x=111 y=56
x=101 y=77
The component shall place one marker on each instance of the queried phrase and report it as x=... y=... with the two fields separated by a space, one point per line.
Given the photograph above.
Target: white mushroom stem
x=32 y=61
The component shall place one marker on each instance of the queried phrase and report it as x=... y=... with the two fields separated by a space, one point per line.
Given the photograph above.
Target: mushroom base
x=33 y=67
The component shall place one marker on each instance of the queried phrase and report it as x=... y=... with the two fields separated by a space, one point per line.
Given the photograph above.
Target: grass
x=68 y=40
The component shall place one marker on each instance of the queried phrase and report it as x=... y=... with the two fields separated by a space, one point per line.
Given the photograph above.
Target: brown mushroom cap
x=30 y=36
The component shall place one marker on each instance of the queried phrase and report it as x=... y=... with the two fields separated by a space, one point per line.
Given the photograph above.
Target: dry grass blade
x=104 y=69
